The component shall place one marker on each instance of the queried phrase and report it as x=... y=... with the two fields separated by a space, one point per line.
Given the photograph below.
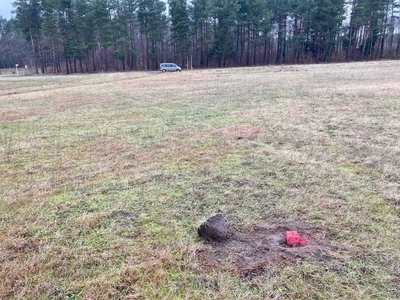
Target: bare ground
x=262 y=247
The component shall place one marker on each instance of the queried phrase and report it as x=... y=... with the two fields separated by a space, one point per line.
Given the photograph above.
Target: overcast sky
x=5 y=8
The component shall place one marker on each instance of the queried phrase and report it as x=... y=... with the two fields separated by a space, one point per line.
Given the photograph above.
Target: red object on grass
x=293 y=239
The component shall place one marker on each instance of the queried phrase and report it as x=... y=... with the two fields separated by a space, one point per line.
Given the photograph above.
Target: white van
x=170 y=67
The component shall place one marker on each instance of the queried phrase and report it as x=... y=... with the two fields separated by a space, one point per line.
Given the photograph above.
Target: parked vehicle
x=170 y=67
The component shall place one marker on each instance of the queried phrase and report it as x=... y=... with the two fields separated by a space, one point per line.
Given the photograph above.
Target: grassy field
x=105 y=178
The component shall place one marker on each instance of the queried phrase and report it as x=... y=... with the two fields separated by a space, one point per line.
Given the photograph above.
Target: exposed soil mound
x=248 y=254
x=214 y=229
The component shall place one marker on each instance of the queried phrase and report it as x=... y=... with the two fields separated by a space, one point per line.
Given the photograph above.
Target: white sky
x=5 y=8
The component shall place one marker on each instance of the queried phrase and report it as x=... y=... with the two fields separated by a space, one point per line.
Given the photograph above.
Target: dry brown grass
x=104 y=179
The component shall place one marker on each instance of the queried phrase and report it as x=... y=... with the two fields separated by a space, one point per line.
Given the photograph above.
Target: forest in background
x=80 y=36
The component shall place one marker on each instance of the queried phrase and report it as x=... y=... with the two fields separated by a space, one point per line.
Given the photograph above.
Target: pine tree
x=324 y=23
x=224 y=14
x=180 y=28
x=152 y=22
x=29 y=20
x=82 y=23
x=102 y=25
x=281 y=10
x=200 y=14
x=129 y=8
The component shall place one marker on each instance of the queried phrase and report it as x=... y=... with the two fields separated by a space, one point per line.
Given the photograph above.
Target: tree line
x=72 y=36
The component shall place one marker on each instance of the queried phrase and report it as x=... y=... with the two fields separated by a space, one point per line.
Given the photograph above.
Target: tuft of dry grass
x=105 y=178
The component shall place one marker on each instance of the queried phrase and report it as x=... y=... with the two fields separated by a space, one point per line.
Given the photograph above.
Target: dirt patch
x=249 y=254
